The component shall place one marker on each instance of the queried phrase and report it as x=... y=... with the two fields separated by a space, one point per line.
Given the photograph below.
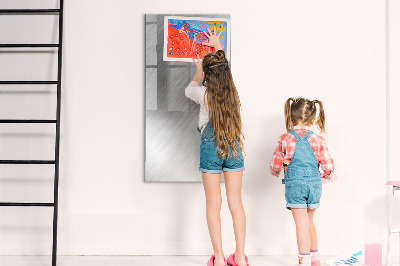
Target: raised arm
x=195 y=92
x=199 y=72
x=213 y=41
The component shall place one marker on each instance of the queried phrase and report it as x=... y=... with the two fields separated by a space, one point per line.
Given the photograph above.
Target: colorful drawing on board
x=183 y=37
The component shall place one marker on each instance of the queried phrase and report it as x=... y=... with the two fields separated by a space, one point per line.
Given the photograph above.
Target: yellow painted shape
x=216 y=25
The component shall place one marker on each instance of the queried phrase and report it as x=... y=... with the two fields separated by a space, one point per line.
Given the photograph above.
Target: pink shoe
x=211 y=261
x=316 y=263
x=231 y=260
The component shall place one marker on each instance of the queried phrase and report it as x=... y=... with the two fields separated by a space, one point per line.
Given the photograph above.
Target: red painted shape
x=181 y=46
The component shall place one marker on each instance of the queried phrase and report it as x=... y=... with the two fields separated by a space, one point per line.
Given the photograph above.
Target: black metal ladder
x=57 y=82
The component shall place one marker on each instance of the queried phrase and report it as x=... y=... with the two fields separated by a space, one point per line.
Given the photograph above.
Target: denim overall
x=302 y=181
x=211 y=162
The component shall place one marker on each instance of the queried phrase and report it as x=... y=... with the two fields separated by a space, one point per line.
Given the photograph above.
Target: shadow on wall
x=375 y=212
x=263 y=193
x=376 y=221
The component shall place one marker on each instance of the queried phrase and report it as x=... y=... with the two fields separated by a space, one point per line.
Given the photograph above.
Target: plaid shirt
x=287 y=144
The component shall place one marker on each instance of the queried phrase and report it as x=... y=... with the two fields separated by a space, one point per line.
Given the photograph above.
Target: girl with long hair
x=221 y=147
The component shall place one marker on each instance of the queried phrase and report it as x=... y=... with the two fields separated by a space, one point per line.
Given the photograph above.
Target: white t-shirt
x=196 y=93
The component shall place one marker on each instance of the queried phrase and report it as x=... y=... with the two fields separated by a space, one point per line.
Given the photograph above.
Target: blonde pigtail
x=288 y=114
x=321 y=116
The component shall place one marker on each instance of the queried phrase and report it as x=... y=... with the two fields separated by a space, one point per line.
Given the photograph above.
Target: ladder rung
x=6 y=11
x=33 y=45
x=33 y=204
x=29 y=82
x=27 y=161
x=27 y=121
x=395 y=231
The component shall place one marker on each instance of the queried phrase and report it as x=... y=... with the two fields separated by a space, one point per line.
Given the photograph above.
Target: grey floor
x=136 y=260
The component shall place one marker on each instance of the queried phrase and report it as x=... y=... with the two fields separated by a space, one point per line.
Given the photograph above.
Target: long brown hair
x=303 y=110
x=223 y=104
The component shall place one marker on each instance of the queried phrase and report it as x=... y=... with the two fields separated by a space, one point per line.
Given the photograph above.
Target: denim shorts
x=210 y=160
x=303 y=193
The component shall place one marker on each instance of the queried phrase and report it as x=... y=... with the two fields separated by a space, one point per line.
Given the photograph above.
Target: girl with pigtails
x=302 y=154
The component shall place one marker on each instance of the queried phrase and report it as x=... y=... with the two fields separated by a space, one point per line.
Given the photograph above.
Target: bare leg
x=302 y=221
x=313 y=230
x=212 y=188
x=233 y=184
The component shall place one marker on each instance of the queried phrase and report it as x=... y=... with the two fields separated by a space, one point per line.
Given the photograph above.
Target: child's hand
x=213 y=39
x=199 y=67
x=198 y=64
x=326 y=180
x=273 y=173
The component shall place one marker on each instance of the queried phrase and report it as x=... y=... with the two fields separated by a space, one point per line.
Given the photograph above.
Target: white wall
x=333 y=51
x=394 y=110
